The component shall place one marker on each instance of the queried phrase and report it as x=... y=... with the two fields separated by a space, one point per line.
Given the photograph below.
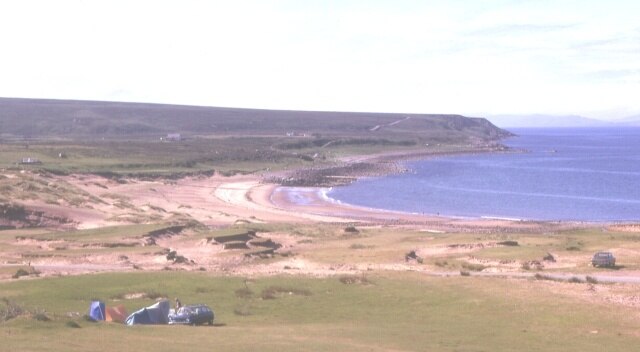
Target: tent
x=155 y=314
x=96 y=311
x=117 y=314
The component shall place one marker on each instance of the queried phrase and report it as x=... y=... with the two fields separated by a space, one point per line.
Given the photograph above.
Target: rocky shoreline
x=366 y=166
x=339 y=175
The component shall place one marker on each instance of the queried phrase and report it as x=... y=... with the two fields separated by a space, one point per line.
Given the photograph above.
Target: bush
x=591 y=279
x=351 y=229
x=575 y=280
x=41 y=316
x=19 y=273
x=10 y=310
x=72 y=324
x=25 y=272
x=473 y=267
x=464 y=273
x=509 y=243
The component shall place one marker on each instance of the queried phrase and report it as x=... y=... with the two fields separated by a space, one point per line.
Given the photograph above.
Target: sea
x=564 y=174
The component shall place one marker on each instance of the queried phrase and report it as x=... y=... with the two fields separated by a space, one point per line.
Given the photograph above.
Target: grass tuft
x=244 y=292
x=273 y=292
x=10 y=310
x=592 y=280
x=473 y=267
x=72 y=324
x=355 y=280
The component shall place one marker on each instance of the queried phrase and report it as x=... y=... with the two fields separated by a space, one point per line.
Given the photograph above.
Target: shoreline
x=352 y=168
x=305 y=197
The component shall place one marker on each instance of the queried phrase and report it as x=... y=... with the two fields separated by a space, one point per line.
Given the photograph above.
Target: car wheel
x=211 y=322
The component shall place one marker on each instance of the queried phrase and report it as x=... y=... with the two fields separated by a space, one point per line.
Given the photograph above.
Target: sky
x=469 y=57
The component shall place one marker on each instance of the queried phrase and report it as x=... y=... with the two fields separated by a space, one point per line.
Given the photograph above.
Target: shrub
x=351 y=229
x=575 y=280
x=72 y=324
x=19 y=273
x=473 y=267
x=509 y=243
x=573 y=248
x=10 y=310
x=591 y=279
x=464 y=273
x=41 y=316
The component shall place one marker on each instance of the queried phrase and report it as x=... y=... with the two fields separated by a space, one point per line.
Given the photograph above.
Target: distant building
x=297 y=134
x=30 y=161
x=173 y=137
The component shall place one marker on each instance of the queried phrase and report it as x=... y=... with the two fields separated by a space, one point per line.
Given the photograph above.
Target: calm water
x=568 y=174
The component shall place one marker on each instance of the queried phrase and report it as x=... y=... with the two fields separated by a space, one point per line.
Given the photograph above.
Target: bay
x=586 y=174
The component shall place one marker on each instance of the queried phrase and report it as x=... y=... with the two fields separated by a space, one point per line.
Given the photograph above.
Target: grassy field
x=388 y=312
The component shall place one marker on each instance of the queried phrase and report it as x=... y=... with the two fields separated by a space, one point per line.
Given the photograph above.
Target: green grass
x=399 y=312
x=100 y=234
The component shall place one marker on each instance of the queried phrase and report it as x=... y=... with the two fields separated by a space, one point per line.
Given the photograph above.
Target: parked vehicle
x=603 y=259
x=194 y=314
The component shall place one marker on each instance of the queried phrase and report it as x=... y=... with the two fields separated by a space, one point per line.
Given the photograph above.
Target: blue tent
x=96 y=310
x=155 y=314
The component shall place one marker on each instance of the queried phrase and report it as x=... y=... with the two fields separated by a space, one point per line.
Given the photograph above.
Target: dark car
x=603 y=259
x=194 y=314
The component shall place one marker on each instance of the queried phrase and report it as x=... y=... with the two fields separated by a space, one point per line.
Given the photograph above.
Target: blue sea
x=585 y=174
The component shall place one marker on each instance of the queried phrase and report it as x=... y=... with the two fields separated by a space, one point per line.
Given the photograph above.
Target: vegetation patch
x=360 y=246
x=10 y=309
x=273 y=292
x=351 y=229
x=509 y=243
x=244 y=292
x=473 y=267
x=72 y=324
x=25 y=272
x=355 y=280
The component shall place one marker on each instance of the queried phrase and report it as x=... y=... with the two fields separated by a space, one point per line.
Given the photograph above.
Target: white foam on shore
x=323 y=193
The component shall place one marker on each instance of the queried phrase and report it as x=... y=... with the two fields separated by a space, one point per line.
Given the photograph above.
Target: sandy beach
x=221 y=201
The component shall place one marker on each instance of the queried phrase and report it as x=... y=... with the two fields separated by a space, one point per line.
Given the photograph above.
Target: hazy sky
x=469 y=57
